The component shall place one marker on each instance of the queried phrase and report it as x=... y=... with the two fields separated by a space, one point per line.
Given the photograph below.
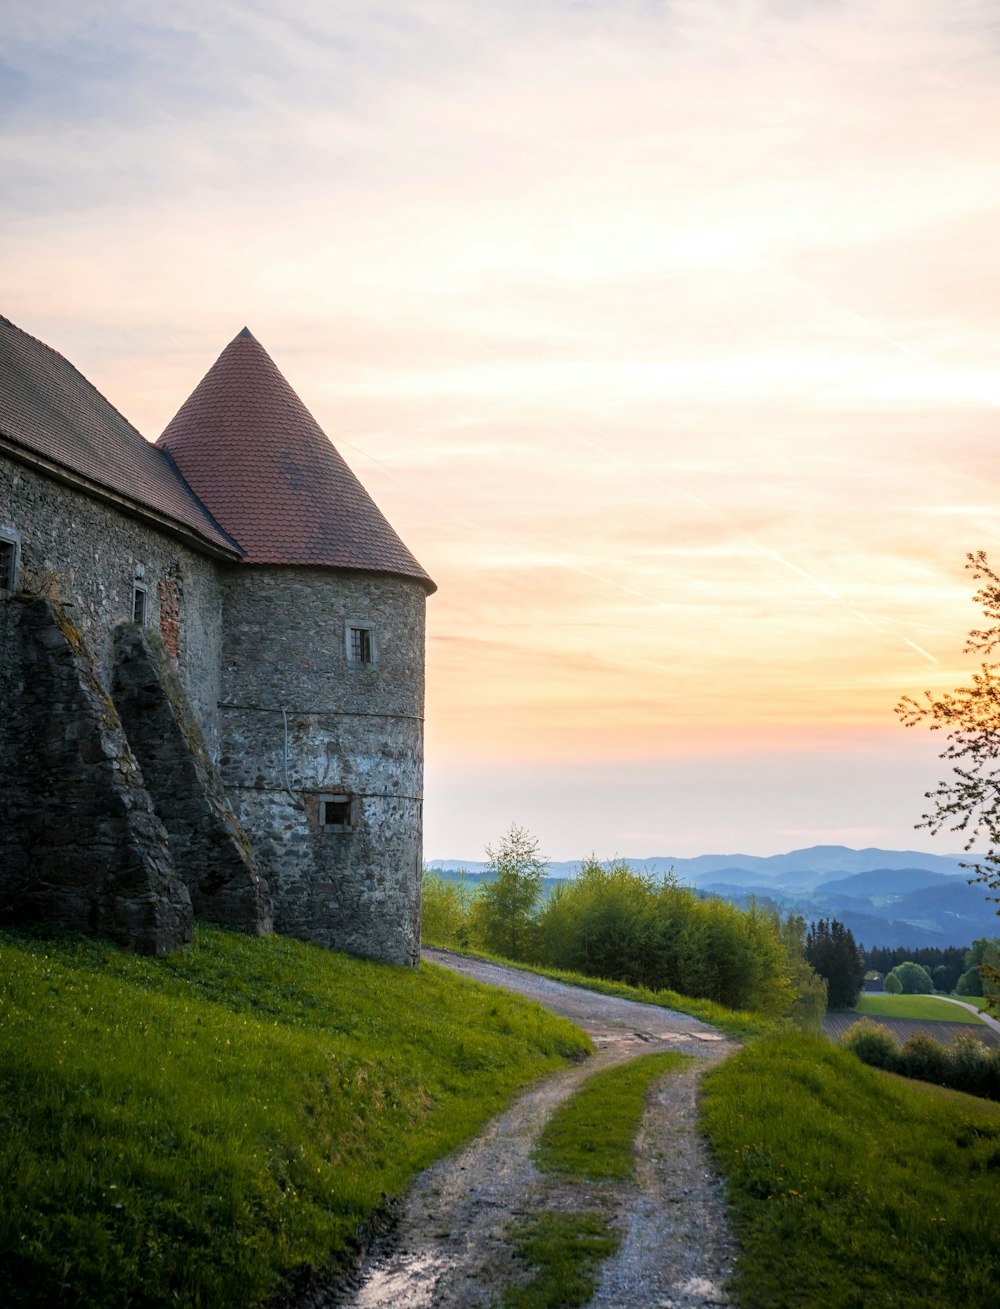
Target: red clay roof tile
x=251 y=451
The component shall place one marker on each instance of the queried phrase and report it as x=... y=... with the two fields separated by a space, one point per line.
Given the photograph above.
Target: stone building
x=211 y=668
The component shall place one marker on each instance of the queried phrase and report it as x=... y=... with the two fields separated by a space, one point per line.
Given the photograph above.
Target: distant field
x=914 y=1006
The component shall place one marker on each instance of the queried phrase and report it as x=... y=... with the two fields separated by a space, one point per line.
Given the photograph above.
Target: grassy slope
x=914 y=1006
x=192 y=1129
x=850 y=1187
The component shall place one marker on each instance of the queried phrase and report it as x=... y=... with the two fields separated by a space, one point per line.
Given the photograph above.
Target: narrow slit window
x=8 y=563
x=335 y=812
x=139 y=605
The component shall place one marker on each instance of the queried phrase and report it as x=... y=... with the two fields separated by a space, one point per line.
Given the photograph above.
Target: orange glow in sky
x=666 y=335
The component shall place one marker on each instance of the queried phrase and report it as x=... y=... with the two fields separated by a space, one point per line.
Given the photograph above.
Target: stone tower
x=322 y=671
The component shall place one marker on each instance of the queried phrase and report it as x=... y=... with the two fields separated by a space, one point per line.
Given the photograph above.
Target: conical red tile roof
x=260 y=463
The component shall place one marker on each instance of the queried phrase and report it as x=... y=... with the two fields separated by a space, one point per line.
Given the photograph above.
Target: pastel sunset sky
x=667 y=335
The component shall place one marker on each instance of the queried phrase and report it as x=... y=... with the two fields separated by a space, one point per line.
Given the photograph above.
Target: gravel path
x=450 y=1248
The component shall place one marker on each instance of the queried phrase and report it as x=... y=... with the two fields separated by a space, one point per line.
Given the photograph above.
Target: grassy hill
x=202 y=1128
x=851 y=1187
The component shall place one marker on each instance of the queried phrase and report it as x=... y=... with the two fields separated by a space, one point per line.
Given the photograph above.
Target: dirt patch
x=450 y=1248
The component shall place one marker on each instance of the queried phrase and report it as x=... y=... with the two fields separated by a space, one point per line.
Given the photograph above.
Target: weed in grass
x=566 y=1249
x=190 y=1130
x=849 y=1186
x=593 y=1134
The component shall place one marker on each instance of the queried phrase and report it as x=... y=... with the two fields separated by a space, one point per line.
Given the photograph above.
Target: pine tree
x=831 y=950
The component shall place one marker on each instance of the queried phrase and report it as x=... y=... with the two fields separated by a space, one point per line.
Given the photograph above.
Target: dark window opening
x=360 y=645
x=8 y=565
x=139 y=605
x=335 y=812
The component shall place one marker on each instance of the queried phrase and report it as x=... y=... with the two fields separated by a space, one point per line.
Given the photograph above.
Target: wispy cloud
x=664 y=333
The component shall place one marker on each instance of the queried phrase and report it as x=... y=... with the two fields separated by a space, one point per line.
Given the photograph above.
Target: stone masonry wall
x=210 y=851
x=351 y=729
x=80 y=844
x=93 y=549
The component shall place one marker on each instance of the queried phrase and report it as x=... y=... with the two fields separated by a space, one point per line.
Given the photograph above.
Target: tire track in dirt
x=449 y=1247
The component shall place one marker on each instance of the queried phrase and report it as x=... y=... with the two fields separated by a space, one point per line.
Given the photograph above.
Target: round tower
x=321 y=710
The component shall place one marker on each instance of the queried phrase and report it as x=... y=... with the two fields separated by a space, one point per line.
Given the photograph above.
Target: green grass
x=849 y=1187
x=566 y=1250
x=593 y=1134
x=913 y=1006
x=192 y=1130
x=743 y=1024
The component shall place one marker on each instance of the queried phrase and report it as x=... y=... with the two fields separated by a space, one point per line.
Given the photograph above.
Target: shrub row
x=619 y=924
x=967 y=1065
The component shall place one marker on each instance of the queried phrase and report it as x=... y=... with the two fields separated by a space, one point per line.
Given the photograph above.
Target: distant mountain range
x=886 y=897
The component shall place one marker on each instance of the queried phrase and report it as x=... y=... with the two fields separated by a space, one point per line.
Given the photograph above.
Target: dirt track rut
x=449 y=1248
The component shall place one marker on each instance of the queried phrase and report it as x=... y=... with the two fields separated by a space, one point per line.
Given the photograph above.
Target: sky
x=667 y=336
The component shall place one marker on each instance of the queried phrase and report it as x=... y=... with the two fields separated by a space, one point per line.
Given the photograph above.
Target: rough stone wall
x=80 y=844
x=92 y=549
x=210 y=851
x=355 y=729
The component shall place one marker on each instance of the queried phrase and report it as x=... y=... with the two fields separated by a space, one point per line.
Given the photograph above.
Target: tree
x=893 y=985
x=831 y=950
x=505 y=910
x=982 y=975
x=809 y=990
x=912 y=978
x=970 y=715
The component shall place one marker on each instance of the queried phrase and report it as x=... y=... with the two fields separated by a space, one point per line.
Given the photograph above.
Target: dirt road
x=450 y=1248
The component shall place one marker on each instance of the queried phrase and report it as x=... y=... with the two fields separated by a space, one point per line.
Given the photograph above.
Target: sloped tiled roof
x=52 y=416
x=256 y=457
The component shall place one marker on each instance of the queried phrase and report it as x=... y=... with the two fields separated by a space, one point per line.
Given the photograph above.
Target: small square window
x=360 y=643
x=335 y=812
x=139 y=605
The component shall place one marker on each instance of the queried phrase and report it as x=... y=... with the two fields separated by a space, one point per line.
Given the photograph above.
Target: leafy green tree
x=831 y=950
x=505 y=910
x=982 y=975
x=912 y=978
x=893 y=985
x=446 y=905
x=809 y=990
x=970 y=716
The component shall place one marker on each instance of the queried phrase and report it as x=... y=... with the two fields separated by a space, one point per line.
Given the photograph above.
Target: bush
x=965 y=1066
x=893 y=985
x=924 y=1058
x=872 y=1043
x=445 y=918
x=975 y=1069
x=913 y=978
